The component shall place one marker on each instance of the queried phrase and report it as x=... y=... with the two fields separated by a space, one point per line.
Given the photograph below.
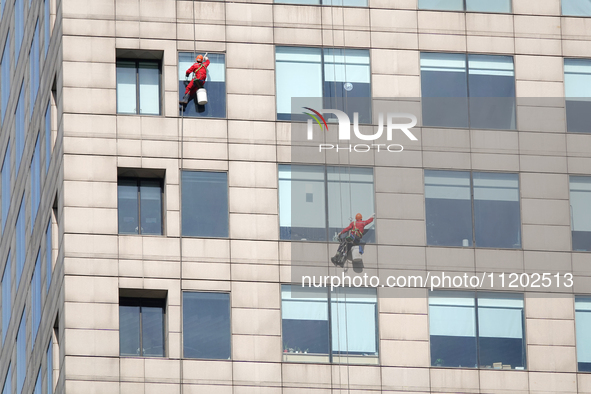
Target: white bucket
x=355 y=254
x=201 y=96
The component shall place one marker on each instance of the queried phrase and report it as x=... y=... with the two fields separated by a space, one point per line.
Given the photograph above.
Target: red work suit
x=359 y=226
x=200 y=70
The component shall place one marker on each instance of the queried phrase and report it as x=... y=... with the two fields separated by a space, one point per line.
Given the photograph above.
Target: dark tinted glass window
x=577 y=91
x=204 y=204
x=583 y=330
x=464 y=209
x=460 y=90
x=140 y=206
x=448 y=208
x=469 y=331
x=580 y=205
x=491 y=82
x=444 y=89
x=206 y=325
x=141 y=327
x=497 y=219
x=316 y=201
x=215 y=85
x=342 y=77
x=318 y=322
x=501 y=339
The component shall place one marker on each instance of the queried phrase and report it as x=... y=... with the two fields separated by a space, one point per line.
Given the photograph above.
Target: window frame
x=464 y=9
x=145 y=302
x=573 y=99
x=194 y=54
x=570 y=15
x=475 y=297
x=467 y=64
x=137 y=62
x=323 y=82
x=471 y=172
x=321 y=4
x=138 y=181
x=333 y=357
x=571 y=180
x=326 y=194
x=227 y=200
x=183 y=322
x=580 y=298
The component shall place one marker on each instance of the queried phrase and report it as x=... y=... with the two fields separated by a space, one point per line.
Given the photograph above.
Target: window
x=204 y=204
x=347 y=325
x=580 y=207
x=141 y=327
x=35 y=183
x=576 y=7
x=206 y=325
x=138 y=87
x=577 y=82
x=485 y=330
x=7 y=388
x=36 y=296
x=583 y=324
x=215 y=84
x=49 y=358
x=49 y=253
x=47 y=25
x=472 y=209
x=317 y=201
x=140 y=206
x=341 y=76
x=467 y=5
x=449 y=80
x=34 y=67
x=6 y=297
x=5 y=75
x=48 y=141
x=19 y=28
x=21 y=248
x=21 y=352
x=5 y=185
x=348 y=3
x=20 y=127
x=38 y=387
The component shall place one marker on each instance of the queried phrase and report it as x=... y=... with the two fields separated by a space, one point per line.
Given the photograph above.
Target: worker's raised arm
x=206 y=63
x=368 y=221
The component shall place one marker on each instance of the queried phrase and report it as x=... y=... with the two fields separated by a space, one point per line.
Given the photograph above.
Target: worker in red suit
x=200 y=70
x=356 y=229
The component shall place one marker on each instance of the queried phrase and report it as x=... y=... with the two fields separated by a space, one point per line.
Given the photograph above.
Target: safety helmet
x=358 y=217
x=199 y=58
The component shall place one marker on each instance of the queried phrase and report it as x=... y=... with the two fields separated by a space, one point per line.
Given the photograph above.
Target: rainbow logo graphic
x=316 y=116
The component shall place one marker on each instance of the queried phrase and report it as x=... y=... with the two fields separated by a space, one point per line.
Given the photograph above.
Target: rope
x=345 y=107
x=180 y=181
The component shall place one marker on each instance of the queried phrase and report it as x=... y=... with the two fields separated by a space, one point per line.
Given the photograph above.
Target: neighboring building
x=147 y=252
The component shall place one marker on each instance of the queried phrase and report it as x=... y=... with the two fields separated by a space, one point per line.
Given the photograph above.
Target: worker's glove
x=373 y=215
x=336 y=237
x=205 y=58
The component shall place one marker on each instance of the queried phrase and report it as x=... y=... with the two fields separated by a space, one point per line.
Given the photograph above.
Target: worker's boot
x=185 y=100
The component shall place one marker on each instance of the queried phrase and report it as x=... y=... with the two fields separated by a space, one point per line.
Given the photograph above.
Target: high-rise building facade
x=148 y=248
